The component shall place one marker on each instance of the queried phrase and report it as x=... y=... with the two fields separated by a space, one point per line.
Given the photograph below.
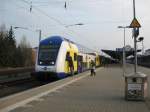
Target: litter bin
x=136 y=86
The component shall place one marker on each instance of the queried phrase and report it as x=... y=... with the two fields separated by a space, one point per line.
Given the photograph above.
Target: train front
x=47 y=57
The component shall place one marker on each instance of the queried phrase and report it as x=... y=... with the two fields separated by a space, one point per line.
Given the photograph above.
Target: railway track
x=12 y=84
x=14 y=74
x=9 y=88
x=17 y=80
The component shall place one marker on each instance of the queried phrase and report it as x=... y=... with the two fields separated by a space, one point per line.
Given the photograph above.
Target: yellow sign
x=135 y=24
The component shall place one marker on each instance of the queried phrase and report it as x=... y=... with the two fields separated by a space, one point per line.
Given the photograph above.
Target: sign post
x=136 y=83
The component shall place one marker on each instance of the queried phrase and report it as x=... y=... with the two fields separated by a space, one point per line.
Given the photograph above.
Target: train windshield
x=48 y=54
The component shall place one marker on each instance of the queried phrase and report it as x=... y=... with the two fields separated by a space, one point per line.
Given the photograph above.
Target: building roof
x=118 y=54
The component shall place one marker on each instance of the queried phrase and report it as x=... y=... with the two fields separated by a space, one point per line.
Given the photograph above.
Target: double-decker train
x=53 y=54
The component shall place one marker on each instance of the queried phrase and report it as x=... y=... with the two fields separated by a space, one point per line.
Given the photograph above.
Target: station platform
x=101 y=93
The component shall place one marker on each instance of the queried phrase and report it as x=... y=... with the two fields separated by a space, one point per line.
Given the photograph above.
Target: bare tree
x=26 y=51
x=7 y=46
x=12 y=55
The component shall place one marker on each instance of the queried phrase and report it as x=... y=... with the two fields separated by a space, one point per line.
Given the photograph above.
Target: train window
x=80 y=58
x=47 y=56
x=75 y=56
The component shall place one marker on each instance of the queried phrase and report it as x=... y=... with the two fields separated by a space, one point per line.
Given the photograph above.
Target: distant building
x=118 y=53
x=119 y=49
x=127 y=48
x=147 y=52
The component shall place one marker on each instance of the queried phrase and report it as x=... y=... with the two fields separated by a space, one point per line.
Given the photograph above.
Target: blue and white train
x=52 y=57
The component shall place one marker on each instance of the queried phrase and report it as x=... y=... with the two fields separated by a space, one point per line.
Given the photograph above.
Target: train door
x=95 y=61
x=80 y=63
x=71 y=61
x=67 y=63
x=75 y=62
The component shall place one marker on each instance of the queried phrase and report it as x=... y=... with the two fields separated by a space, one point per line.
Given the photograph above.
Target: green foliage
x=12 y=55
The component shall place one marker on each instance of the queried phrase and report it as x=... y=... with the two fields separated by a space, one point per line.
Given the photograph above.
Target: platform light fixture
x=25 y=28
x=140 y=39
x=78 y=24
x=124 y=55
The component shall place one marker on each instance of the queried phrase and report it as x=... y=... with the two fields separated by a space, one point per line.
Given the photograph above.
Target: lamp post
x=16 y=27
x=139 y=40
x=25 y=28
x=124 y=54
x=78 y=24
x=138 y=80
x=135 y=41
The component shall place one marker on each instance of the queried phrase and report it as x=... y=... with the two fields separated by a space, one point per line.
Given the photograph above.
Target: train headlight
x=53 y=62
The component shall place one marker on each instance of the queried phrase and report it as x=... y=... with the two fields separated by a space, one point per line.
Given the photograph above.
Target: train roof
x=84 y=49
x=55 y=40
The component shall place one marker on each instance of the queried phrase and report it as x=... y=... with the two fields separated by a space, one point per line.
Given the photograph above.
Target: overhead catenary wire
x=36 y=15
x=42 y=12
x=52 y=18
x=25 y=9
x=56 y=20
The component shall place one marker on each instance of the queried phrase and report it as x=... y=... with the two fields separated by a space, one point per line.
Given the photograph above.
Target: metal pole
x=135 y=54
x=134 y=15
x=135 y=49
x=142 y=47
x=124 y=54
x=40 y=32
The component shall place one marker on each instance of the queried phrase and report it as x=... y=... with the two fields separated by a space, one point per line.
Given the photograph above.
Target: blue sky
x=100 y=19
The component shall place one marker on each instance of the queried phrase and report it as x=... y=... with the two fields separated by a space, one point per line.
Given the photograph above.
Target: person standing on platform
x=92 y=65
